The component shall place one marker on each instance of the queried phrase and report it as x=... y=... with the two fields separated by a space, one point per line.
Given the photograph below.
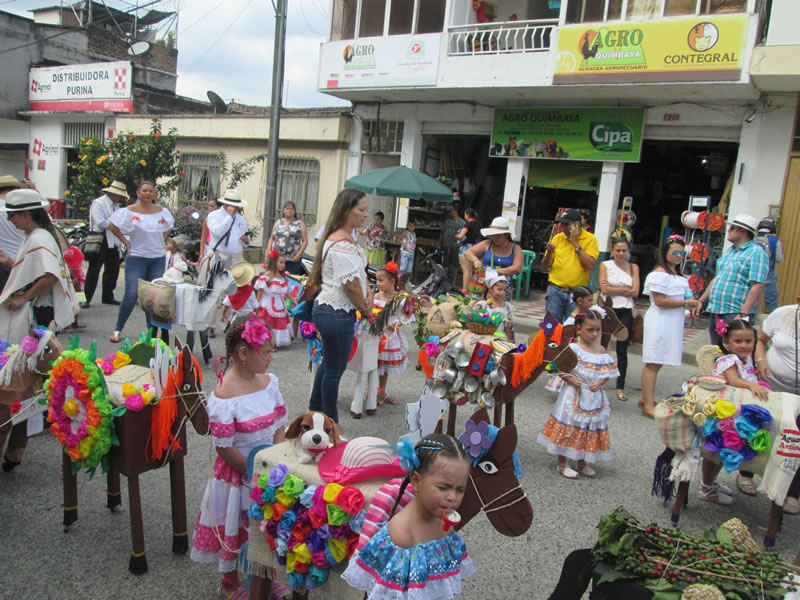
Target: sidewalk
x=529 y=312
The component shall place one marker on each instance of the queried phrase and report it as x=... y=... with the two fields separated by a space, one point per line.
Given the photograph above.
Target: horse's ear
x=186 y=360
x=480 y=416
x=178 y=343
x=505 y=444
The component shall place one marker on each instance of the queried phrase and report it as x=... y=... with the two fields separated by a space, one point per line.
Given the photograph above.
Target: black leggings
x=625 y=316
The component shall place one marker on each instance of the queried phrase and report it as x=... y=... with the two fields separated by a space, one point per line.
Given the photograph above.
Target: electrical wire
x=74 y=29
x=227 y=29
x=215 y=7
x=303 y=12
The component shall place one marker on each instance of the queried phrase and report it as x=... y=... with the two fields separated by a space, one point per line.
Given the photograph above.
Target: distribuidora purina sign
x=568 y=133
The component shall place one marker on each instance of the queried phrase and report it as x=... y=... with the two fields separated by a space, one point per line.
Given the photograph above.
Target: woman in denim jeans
x=340 y=269
x=148 y=225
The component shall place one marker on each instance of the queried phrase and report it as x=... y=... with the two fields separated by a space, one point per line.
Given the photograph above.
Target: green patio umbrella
x=402 y=182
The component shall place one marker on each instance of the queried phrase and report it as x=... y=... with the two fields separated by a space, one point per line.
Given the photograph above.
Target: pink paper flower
x=733 y=440
x=29 y=345
x=721 y=327
x=256 y=333
x=134 y=402
x=108 y=368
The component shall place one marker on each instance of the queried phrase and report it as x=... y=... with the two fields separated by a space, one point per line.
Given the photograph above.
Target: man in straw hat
x=570 y=257
x=228 y=227
x=11 y=238
x=741 y=272
x=100 y=212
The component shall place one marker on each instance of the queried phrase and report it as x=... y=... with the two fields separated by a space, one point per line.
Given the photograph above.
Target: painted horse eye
x=552 y=345
x=488 y=467
x=186 y=387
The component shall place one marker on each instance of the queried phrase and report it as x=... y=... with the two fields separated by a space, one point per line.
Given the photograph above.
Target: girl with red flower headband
x=245 y=410
x=272 y=290
x=393 y=345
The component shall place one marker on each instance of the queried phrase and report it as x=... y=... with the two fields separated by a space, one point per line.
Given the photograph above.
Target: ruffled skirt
x=278 y=321
x=578 y=428
x=221 y=527
x=392 y=354
x=430 y=571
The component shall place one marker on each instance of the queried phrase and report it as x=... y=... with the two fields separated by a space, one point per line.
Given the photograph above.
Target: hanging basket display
x=79 y=408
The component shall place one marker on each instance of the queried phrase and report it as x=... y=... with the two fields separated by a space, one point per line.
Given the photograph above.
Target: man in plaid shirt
x=741 y=273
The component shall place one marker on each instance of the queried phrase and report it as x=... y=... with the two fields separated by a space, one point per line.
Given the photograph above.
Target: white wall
x=761 y=162
x=783 y=23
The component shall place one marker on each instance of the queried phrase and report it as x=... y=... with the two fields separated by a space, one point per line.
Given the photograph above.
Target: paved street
x=91 y=560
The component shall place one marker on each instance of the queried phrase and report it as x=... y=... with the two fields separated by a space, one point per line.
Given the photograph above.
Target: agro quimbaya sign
x=568 y=133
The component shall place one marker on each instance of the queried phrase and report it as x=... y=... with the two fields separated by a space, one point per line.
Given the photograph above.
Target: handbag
x=637 y=333
x=157 y=299
x=93 y=244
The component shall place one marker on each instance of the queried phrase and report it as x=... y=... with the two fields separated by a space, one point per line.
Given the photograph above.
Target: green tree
x=127 y=158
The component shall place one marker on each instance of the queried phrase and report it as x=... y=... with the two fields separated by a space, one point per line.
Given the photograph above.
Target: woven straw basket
x=481 y=328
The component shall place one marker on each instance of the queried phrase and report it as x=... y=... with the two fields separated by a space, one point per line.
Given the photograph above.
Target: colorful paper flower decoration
x=548 y=324
x=476 y=438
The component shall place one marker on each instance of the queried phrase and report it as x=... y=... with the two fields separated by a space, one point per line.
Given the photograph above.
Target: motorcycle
x=437 y=283
x=76 y=234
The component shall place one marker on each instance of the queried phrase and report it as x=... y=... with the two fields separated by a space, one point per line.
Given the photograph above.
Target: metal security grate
x=382 y=137
x=75 y=132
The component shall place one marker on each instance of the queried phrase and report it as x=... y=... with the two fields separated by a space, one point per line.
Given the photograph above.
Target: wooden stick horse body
x=139 y=452
x=21 y=379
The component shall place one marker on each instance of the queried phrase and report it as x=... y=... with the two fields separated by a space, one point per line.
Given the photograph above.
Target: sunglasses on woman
x=680 y=253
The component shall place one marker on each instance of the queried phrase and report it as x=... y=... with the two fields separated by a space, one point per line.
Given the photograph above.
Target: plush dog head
x=313 y=431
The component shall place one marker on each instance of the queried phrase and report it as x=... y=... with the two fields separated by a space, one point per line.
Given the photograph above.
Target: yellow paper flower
x=128 y=389
x=120 y=361
x=302 y=553
x=331 y=492
x=70 y=408
x=688 y=409
x=291 y=561
x=143 y=163
x=699 y=419
x=709 y=410
x=147 y=398
x=268 y=512
x=725 y=409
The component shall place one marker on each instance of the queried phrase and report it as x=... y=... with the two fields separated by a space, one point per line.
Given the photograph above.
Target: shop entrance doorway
x=661 y=183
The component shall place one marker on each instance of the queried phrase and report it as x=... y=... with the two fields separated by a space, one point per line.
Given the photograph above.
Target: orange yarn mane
x=165 y=412
x=527 y=362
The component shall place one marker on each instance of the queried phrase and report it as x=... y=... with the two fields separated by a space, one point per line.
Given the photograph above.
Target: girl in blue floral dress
x=413 y=556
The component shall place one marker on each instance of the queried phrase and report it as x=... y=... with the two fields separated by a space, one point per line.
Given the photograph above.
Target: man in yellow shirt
x=570 y=257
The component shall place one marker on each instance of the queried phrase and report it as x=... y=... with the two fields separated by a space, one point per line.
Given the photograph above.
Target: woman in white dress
x=663 y=323
x=619 y=280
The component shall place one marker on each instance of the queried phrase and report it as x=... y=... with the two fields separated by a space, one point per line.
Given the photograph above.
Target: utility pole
x=275 y=117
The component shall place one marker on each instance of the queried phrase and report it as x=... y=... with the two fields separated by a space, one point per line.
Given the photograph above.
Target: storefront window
x=343 y=23
x=710 y=7
x=373 y=13
x=401 y=17
x=431 y=16
x=382 y=137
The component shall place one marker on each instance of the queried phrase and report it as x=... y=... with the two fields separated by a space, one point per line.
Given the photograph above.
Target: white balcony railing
x=500 y=38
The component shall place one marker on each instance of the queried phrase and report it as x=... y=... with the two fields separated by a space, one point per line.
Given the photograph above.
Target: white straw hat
x=18 y=200
x=499 y=226
x=232 y=197
x=118 y=188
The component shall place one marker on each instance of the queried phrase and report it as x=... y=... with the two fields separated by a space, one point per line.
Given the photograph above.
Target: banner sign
x=568 y=133
x=394 y=61
x=103 y=86
x=707 y=48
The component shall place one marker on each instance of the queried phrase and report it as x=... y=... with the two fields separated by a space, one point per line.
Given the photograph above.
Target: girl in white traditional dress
x=245 y=410
x=578 y=426
x=670 y=296
x=494 y=301
x=272 y=289
x=393 y=345
x=584 y=300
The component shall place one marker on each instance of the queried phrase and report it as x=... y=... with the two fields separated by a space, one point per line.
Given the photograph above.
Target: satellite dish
x=137 y=48
x=217 y=102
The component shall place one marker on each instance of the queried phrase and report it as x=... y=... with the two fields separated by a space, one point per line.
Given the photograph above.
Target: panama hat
x=8 y=181
x=26 y=199
x=118 y=188
x=745 y=222
x=232 y=197
x=499 y=226
x=358 y=459
x=243 y=273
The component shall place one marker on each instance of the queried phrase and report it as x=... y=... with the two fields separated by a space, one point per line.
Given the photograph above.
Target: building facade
x=529 y=106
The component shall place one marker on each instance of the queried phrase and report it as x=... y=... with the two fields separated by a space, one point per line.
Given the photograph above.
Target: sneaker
x=713 y=494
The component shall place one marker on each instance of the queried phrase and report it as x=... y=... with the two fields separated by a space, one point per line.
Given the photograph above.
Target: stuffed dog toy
x=313 y=433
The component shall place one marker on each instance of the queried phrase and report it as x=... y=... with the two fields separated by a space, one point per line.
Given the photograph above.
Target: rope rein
x=485 y=507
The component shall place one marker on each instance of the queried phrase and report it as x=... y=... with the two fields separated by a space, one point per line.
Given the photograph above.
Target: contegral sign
x=394 y=61
x=568 y=133
x=103 y=86
x=703 y=48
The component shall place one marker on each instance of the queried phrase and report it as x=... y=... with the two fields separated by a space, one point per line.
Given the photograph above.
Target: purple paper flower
x=29 y=345
x=272 y=527
x=323 y=532
x=548 y=324
x=714 y=442
x=757 y=415
x=314 y=542
x=339 y=532
x=277 y=475
x=476 y=439
x=748 y=453
x=284 y=534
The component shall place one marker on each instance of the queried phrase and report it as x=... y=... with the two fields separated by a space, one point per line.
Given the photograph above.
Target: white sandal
x=713 y=494
x=587 y=471
x=567 y=471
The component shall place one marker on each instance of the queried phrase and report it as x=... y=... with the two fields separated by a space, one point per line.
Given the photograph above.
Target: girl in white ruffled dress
x=578 y=426
x=272 y=289
x=245 y=410
x=393 y=345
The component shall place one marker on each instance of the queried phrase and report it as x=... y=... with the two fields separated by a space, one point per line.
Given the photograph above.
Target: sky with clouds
x=227 y=46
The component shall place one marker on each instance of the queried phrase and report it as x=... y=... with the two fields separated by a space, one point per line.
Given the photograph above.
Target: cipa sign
x=568 y=133
x=103 y=87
